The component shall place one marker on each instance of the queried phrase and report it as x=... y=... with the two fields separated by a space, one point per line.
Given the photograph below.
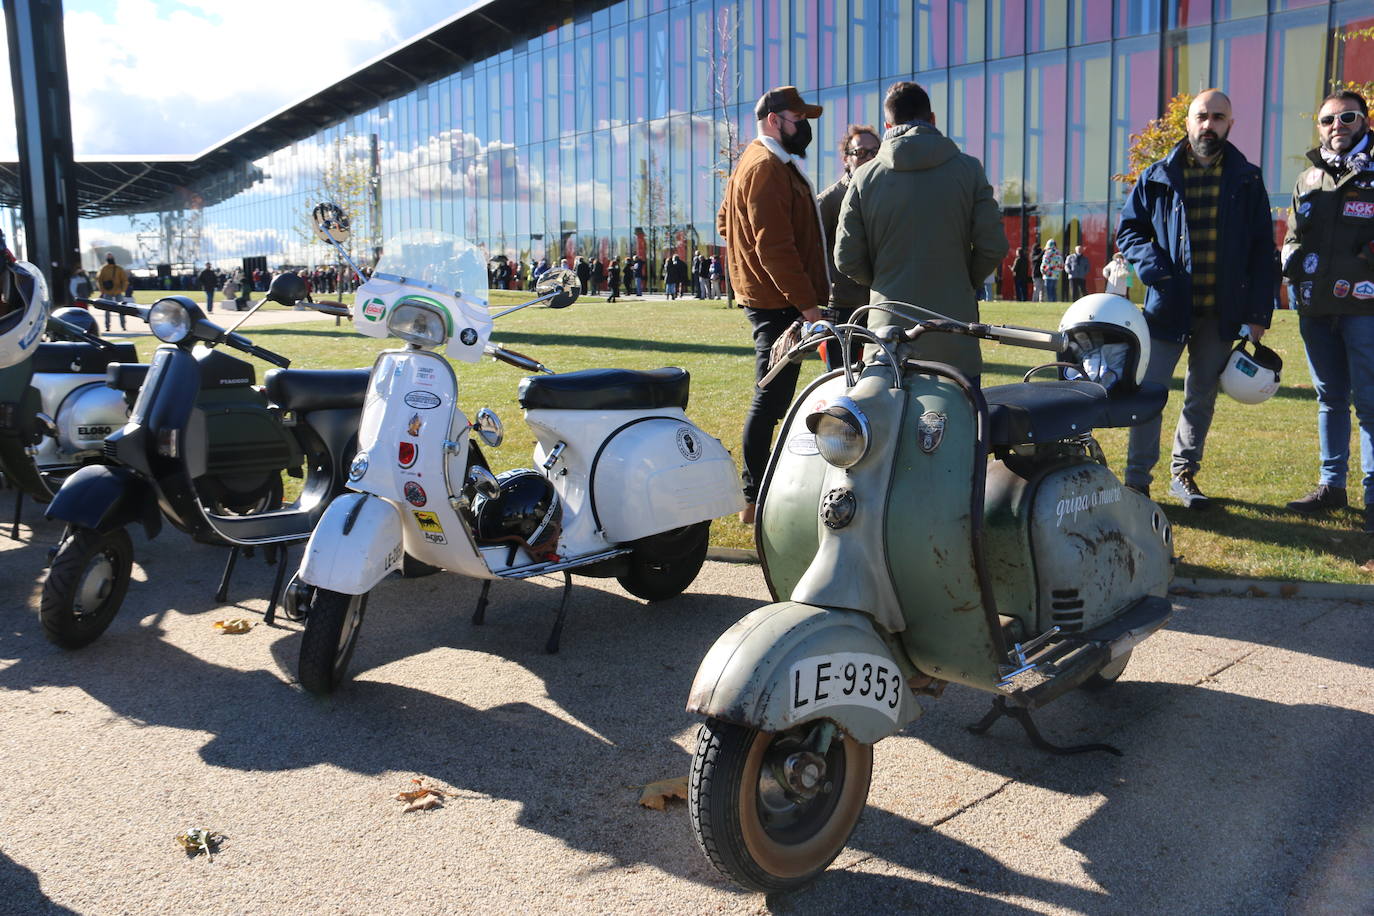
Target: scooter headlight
x=169 y=321
x=418 y=324
x=842 y=432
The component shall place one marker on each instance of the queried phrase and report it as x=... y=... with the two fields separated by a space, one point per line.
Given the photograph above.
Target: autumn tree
x=1364 y=88
x=1156 y=140
x=346 y=180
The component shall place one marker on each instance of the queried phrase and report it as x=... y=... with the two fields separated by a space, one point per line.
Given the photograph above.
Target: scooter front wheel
x=86 y=585
x=663 y=565
x=331 y=634
x=766 y=815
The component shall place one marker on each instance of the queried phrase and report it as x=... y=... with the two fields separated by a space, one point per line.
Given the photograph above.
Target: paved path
x=1244 y=788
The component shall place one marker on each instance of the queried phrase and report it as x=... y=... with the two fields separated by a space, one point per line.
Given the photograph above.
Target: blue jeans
x=1340 y=353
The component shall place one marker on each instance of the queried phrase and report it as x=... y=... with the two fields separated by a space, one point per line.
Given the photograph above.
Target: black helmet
x=74 y=316
x=527 y=511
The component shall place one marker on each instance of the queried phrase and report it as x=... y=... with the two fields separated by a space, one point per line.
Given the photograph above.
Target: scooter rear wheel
x=331 y=635
x=754 y=828
x=86 y=585
x=663 y=565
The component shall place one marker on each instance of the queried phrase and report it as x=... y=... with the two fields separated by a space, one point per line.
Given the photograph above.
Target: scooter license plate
x=845 y=679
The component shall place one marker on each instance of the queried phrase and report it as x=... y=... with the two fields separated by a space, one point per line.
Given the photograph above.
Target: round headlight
x=842 y=433
x=169 y=321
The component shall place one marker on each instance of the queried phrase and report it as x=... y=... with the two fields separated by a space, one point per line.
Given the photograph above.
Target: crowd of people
x=703 y=277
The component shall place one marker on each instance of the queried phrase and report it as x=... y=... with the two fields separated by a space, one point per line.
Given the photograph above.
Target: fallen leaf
x=198 y=840
x=1288 y=591
x=424 y=804
x=657 y=794
x=421 y=799
x=1255 y=591
x=234 y=625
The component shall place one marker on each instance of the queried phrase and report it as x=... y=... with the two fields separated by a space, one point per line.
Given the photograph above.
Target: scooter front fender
x=356 y=544
x=104 y=497
x=789 y=663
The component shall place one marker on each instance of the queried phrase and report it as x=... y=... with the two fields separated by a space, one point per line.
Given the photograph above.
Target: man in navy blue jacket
x=1198 y=230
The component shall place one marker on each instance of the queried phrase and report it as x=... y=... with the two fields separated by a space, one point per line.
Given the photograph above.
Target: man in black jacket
x=1198 y=230
x=209 y=282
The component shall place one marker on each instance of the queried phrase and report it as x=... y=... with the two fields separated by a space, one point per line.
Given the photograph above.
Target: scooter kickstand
x=223 y=594
x=551 y=646
x=1023 y=718
x=18 y=510
x=283 y=553
x=479 y=616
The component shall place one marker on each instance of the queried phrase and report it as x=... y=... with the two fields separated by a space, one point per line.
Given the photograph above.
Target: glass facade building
x=609 y=133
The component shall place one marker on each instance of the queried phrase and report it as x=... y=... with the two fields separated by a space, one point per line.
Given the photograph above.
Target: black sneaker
x=1322 y=499
x=1369 y=519
x=1143 y=491
x=1186 y=491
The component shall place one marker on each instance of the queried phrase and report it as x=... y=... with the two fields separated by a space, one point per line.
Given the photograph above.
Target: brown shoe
x=746 y=515
x=1322 y=499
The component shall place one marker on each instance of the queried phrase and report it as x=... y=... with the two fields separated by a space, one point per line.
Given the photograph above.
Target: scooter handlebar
x=518 y=360
x=1026 y=337
x=239 y=342
x=110 y=305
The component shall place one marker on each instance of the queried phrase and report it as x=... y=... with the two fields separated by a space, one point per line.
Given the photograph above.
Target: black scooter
x=202 y=446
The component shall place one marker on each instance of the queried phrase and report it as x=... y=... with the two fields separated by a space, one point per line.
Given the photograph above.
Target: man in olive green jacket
x=920 y=225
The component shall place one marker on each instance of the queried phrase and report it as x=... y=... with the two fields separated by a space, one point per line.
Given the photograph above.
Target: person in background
x=613 y=278
x=112 y=282
x=1037 y=276
x=857 y=148
x=209 y=281
x=1051 y=266
x=79 y=286
x=1117 y=273
x=1020 y=274
x=1076 y=268
x=598 y=275
x=1198 y=230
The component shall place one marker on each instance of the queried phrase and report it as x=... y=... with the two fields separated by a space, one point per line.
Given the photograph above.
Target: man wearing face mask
x=776 y=258
x=1198 y=230
x=1328 y=254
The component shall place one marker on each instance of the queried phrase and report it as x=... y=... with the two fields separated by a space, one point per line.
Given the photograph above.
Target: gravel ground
x=1246 y=729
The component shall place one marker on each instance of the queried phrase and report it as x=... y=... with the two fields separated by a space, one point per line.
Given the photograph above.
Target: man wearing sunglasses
x=1197 y=228
x=776 y=257
x=858 y=148
x=1328 y=254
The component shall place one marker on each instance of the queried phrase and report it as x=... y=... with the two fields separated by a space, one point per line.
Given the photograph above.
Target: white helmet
x=1106 y=334
x=1251 y=378
x=23 y=308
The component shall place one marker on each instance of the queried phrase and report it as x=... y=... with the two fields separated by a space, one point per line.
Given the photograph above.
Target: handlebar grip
x=239 y=342
x=1027 y=337
x=511 y=358
x=109 y=305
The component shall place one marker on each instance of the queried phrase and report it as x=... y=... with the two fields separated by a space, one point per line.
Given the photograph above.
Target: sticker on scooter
x=930 y=431
x=415 y=494
x=844 y=678
x=430 y=527
x=1072 y=505
x=407 y=453
x=415 y=425
x=422 y=400
x=803 y=444
x=688 y=444
x=467 y=337
x=374 y=309
x=424 y=375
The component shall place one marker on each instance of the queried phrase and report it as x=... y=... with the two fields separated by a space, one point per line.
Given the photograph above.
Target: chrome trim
x=539 y=569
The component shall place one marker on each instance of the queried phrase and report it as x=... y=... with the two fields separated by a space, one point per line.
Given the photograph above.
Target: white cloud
x=160 y=76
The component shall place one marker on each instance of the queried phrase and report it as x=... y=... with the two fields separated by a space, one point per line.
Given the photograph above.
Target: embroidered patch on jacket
x=1309 y=263
x=1361 y=209
x=1341 y=289
x=1364 y=290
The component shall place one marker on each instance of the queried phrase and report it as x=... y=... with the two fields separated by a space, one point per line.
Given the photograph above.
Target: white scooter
x=624 y=484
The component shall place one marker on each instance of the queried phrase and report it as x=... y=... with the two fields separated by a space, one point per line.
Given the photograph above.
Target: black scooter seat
x=304 y=390
x=79 y=356
x=1033 y=412
x=606 y=389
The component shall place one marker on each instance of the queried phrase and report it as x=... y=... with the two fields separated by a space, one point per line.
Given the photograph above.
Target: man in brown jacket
x=776 y=257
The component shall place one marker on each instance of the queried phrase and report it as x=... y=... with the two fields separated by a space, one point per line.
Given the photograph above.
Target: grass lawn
x=1258 y=457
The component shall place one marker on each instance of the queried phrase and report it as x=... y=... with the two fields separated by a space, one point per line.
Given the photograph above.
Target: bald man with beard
x=1198 y=230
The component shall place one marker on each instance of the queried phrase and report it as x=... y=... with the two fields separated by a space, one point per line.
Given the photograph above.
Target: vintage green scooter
x=917 y=530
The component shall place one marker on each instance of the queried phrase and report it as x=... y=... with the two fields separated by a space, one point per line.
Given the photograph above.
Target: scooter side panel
x=354 y=546
x=1098 y=547
x=789 y=663
x=1006 y=543
x=930 y=537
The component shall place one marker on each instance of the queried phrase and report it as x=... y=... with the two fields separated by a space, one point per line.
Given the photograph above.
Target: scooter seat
x=304 y=390
x=125 y=376
x=1032 y=412
x=606 y=389
x=79 y=356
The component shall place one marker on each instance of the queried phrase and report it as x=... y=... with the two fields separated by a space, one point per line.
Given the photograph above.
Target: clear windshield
x=440 y=261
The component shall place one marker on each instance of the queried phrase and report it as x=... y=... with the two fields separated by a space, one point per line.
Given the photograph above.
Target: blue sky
x=166 y=76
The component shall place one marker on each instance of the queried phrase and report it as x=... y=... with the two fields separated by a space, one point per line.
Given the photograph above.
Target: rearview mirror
x=562 y=281
x=331 y=223
x=287 y=289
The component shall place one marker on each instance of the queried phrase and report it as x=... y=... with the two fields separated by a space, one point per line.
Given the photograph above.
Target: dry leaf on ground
x=1288 y=591
x=234 y=625
x=657 y=794
x=198 y=840
x=422 y=798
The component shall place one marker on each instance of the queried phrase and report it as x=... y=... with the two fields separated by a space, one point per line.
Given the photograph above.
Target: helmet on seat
x=73 y=316
x=1106 y=334
x=527 y=511
x=23 y=307
x=1252 y=378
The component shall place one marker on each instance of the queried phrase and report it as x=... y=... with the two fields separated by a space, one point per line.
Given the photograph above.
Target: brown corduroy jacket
x=772 y=234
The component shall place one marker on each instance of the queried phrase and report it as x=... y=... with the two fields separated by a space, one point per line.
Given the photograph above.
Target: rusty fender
x=784 y=664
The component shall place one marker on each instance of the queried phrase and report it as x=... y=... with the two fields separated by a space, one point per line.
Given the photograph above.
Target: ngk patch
x=1360 y=209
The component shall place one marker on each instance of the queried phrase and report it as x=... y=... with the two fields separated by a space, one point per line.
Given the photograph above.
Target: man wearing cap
x=776 y=258
x=919 y=224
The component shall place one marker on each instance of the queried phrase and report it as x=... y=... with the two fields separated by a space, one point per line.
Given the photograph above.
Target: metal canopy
x=136 y=184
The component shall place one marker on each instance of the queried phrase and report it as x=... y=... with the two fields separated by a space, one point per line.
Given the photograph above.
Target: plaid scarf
x=1201 y=205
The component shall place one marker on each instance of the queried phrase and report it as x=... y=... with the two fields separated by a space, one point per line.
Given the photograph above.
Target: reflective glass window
x=967 y=20
x=639 y=65
x=584 y=79
x=936 y=85
x=865 y=50
x=1089 y=21
x=1088 y=163
x=1006 y=108
x=706 y=55
x=1294 y=84
x=679 y=56
x=1183 y=13
x=1136 y=99
x=1136 y=17
x=750 y=32
x=1239 y=66
x=603 y=188
x=620 y=75
x=832 y=64
x=931 y=42
x=586 y=182
x=777 y=15
x=601 y=83
x=1006 y=28
x=1187 y=61
x=966 y=122
x=1047 y=95
x=1046 y=24
x=620 y=171
x=897 y=34
x=805 y=45
x=1239 y=9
